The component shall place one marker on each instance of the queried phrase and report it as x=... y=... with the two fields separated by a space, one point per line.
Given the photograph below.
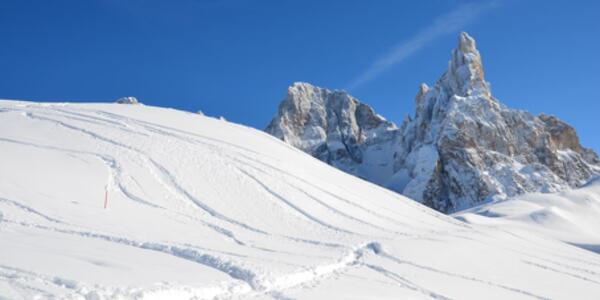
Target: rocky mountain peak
x=465 y=75
x=332 y=126
x=466 y=43
x=462 y=146
x=303 y=91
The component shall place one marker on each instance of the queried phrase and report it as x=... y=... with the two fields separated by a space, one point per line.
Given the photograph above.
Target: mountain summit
x=465 y=72
x=461 y=148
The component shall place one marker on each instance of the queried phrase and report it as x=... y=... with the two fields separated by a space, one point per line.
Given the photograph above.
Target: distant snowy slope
x=199 y=207
x=570 y=216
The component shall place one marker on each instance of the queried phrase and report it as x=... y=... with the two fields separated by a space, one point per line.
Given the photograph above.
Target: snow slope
x=199 y=208
x=571 y=216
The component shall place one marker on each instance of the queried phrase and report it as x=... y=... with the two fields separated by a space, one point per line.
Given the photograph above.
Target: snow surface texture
x=200 y=208
x=463 y=146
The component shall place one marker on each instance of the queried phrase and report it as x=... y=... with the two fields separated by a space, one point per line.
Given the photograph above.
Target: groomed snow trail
x=200 y=208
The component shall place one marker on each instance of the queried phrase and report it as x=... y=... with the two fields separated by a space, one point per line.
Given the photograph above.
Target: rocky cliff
x=462 y=146
x=337 y=129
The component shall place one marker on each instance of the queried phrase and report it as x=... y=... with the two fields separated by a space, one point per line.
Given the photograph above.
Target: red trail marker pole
x=105 y=197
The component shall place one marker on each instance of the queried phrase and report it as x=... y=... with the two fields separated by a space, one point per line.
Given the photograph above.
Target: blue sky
x=235 y=58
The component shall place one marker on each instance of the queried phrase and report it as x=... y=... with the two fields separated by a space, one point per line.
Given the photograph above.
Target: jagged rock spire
x=465 y=75
x=423 y=88
x=464 y=146
x=466 y=43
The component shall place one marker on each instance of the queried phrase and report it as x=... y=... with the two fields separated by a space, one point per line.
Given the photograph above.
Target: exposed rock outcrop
x=461 y=148
x=127 y=100
x=335 y=128
x=483 y=148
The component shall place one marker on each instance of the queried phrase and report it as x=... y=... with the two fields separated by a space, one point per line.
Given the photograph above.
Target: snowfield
x=570 y=216
x=200 y=208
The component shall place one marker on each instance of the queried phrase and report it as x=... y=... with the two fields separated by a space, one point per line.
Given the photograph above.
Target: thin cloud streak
x=445 y=24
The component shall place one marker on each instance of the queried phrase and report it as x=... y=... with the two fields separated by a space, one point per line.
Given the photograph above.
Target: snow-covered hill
x=199 y=208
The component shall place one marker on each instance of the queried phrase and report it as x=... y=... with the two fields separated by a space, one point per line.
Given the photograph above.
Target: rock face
x=461 y=148
x=127 y=100
x=337 y=129
x=481 y=147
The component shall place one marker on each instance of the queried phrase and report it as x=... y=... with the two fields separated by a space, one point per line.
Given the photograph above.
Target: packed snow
x=200 y=208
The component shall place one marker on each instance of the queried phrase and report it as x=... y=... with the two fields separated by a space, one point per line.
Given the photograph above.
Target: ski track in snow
x=292 y=206
x=179 y=134
x=335 y=210
x=177 y=189
x=404 y=262
x=403 y=282
x=257 y=283
x=174 y=187
x=30 y=210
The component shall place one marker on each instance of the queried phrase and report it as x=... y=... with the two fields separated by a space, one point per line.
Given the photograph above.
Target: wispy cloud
x=445 y=24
